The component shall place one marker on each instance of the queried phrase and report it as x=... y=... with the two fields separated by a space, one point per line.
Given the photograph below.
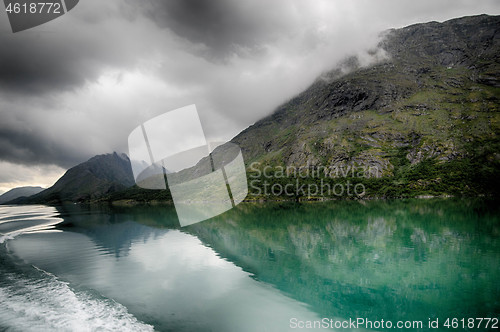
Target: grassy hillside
x=426 y=118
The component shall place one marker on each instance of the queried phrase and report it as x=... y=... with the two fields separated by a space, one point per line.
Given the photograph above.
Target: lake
x=257 y=267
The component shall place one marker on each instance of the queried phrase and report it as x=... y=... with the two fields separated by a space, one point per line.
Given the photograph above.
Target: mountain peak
x=98 y=176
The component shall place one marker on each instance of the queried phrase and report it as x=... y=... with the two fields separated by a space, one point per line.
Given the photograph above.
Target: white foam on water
x=8 y=236
x=10 y=212
x=35 y=300
x=17 y=220
x=45 y=303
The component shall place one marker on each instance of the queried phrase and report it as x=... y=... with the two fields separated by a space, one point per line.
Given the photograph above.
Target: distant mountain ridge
x=90 y=180
x=19 y=192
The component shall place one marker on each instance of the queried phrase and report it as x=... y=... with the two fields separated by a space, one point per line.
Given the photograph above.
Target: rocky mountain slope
x=99 y=176
x=427 y=117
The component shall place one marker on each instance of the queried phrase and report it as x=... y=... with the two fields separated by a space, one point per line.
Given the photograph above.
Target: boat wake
x=41 y=302
x=35 y=300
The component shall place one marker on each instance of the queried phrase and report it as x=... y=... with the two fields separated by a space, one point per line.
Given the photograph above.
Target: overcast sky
x=77 y=86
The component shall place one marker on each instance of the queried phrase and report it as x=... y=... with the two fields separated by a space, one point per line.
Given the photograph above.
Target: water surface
x=253 y=268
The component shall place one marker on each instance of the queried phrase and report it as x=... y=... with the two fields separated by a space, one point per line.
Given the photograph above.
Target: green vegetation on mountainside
x=427 y=118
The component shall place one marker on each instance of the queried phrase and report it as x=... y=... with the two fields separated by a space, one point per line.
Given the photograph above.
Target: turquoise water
x=258 y=267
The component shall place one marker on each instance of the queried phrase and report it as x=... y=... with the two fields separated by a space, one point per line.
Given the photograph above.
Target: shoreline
x=132 y=202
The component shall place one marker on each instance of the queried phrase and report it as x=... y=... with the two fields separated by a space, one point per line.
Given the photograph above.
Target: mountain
x=19 y=192
x=97 y=177
x=423 y=120
x=426 y=118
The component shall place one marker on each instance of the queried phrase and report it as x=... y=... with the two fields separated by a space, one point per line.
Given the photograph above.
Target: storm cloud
x=226 y=27
x=78 y=85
